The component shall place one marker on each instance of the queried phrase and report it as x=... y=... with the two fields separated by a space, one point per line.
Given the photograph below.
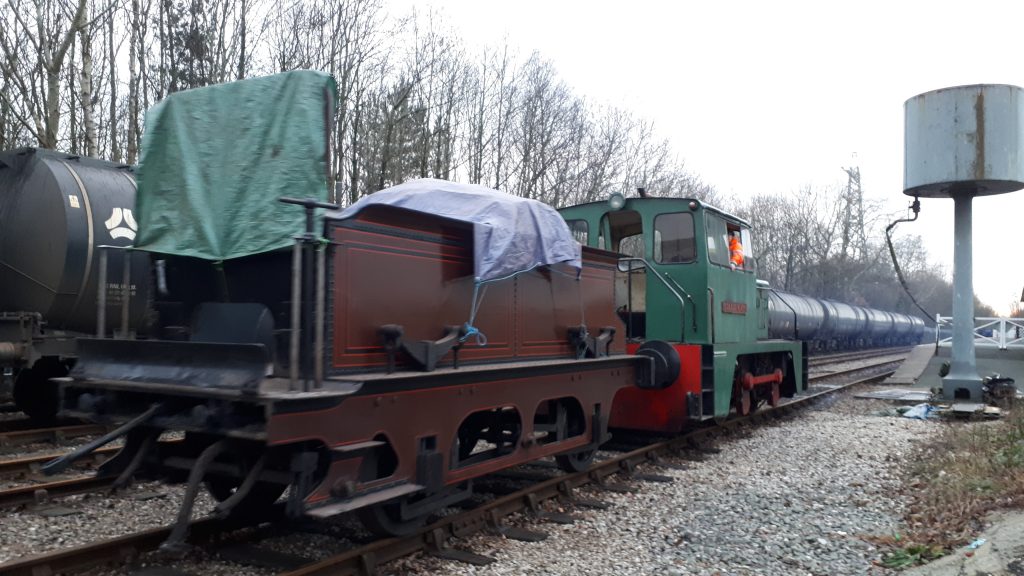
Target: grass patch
x=911 y=555
x=968 y=470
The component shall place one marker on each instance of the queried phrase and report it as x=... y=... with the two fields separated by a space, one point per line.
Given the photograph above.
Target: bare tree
x=86 y=100
x=35 y=41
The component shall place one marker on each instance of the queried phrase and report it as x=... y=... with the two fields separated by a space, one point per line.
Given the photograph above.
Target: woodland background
x=416 y=101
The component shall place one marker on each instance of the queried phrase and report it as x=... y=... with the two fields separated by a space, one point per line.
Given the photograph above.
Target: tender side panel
x=416 y=272
x=397 y=267
x=548 y=303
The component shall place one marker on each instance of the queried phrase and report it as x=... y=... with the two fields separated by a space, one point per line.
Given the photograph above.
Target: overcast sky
x=773 y=96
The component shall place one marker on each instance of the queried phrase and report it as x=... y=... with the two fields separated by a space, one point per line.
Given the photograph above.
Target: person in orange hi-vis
x=735 y=251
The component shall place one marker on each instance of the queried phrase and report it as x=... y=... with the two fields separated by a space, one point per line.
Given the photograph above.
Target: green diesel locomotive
x=690 y=301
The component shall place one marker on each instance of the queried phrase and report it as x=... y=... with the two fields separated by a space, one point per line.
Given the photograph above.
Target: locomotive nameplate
x=734 y=307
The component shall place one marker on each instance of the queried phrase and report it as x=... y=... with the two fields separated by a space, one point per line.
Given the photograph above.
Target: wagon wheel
x=35 y=394
x=579 y=460
x=575 y=461
x=385 y=519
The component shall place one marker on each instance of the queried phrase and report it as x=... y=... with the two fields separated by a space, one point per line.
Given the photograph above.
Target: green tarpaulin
x=215 y=160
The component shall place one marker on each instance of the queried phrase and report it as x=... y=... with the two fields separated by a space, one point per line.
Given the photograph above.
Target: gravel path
x=789 y=498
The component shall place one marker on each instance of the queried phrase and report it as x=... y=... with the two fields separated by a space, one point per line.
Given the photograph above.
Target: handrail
x=693 y=317
x=711 y=314
x=101 y=290
x=998 y=329
x=682 y=304
x=796 y=317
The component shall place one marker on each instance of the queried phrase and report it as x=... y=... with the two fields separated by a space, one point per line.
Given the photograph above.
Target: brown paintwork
x=417 y=271
x=390 y=266
x=405 y=417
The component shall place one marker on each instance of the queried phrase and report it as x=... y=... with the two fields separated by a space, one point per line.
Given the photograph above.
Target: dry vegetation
x=970 y=469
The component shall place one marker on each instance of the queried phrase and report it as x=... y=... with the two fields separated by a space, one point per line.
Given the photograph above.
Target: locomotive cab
x=688 y=278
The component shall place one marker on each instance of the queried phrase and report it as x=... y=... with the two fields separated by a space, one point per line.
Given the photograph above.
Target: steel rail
x=122 y=549
x=848 y=371
x=37 y=493
x=56 y=434
x=26 y=423
x=861 y=355
x=31 y=464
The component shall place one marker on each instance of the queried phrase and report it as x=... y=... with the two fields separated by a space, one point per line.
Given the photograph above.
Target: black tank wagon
x=830 y=325
x=56 y=210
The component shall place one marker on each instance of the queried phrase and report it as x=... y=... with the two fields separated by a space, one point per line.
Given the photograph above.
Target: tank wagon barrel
x=831 y=325
x=55 y=211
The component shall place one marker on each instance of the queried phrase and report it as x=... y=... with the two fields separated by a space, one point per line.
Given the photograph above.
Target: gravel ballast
x=793 y=497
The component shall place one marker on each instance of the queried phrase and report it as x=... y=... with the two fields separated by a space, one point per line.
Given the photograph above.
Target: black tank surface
x=55 y=210
x=793 y=315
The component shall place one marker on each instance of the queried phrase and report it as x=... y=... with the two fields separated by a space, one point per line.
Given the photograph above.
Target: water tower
x=960 y=143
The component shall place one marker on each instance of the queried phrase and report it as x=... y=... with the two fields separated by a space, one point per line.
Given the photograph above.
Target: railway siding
x=132 y=511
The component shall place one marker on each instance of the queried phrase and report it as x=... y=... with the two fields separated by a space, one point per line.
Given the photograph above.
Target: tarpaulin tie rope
x=471 y=330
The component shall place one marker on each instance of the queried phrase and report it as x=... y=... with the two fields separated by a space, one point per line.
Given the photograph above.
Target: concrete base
x=990 y=360
x=912 y=368
x=962 y=387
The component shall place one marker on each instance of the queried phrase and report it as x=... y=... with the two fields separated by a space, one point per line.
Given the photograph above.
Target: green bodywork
x=713 y=305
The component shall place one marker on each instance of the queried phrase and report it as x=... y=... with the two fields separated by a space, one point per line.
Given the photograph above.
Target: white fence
x=1002 y=332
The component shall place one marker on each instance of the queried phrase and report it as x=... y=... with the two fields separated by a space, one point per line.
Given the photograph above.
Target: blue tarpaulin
x=510 y=234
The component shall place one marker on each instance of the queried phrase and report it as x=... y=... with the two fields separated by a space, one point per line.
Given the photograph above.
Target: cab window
x=748 y=248
x=718 y=240
x=674 y=239
x=626 y=232
x=580 y=230
x=632 y=246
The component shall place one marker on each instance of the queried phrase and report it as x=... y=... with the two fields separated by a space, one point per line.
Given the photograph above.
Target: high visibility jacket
x=735 y=251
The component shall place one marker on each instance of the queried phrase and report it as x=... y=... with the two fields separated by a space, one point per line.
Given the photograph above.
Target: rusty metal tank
x=55 y=211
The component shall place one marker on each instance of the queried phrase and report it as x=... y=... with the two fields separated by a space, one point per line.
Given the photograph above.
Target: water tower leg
x=962 y=381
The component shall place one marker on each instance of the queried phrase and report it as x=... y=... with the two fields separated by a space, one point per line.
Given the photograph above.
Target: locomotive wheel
x=747 y=404
x=385 y=519
x=576 y=461
x=774 y=395
x=35 y=394
x=742 y=399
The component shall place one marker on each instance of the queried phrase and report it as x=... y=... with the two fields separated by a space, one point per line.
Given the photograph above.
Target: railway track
x=861 y=355
x=22 y=423
x=435 y=538
x=53 y=434
x=32 y=464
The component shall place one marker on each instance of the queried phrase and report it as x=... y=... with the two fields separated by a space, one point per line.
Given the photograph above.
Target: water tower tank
x=965 y=138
